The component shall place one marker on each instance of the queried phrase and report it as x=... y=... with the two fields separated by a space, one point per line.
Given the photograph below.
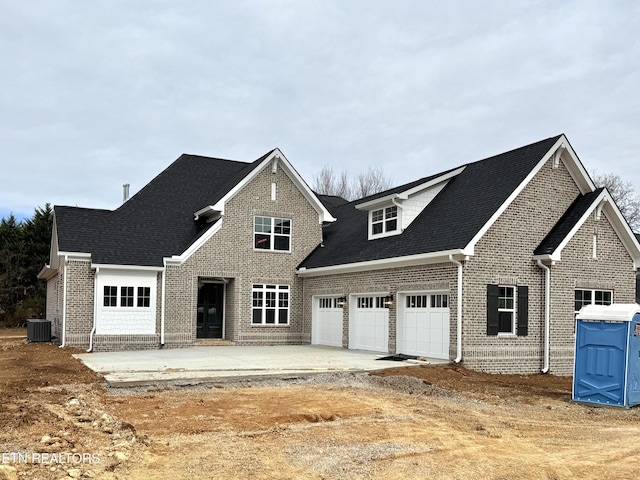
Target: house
x=485 y=264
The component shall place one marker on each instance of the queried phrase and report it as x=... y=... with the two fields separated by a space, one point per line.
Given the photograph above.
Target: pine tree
x=24 y=249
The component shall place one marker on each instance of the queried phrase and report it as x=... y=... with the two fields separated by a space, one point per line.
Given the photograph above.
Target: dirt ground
x=59 y=420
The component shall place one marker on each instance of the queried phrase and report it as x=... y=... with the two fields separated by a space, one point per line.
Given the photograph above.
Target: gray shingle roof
x=449 y=222
x=158 y=221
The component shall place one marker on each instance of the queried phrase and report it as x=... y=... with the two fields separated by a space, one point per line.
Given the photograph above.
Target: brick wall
x=436 y=277
x=54 y=303
x=79 y=318
x=611 y=270
x=121 y=342
x=504 y=256
x=230 y=255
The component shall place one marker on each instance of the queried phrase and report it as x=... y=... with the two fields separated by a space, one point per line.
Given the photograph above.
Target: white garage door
x=327 y=323
x=370 y=324
x=423 y=325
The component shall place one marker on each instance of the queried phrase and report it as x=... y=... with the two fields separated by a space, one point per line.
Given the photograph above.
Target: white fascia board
x=292 y=173
x=205 y=212
x=433 y=182
x=178 y=259
x=109 y=266
x=544 y=258
x=377 y=201
x=571 y=162
x=47 y=273
x=622 y=228
x=278 y=156
x=574 y=166
x=557 y=254
x=77 y=256
x=407 y=261
x=407 y=193
x=617 y=221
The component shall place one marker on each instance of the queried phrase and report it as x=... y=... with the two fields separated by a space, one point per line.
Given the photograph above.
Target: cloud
x=97 y=95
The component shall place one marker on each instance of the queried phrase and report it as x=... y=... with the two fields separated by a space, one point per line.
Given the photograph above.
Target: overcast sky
x=97 y=94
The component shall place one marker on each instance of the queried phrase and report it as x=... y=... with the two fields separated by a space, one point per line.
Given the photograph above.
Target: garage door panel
x=327 y=323
x=423 y=327
x=370 y=328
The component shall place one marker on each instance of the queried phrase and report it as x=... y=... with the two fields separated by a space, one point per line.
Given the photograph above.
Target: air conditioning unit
x=38 y=330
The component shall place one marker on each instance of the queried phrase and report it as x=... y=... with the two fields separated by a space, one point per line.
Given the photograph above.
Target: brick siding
x=504 y=256
x=79 y=306
x=436 y=277
x=230 y=255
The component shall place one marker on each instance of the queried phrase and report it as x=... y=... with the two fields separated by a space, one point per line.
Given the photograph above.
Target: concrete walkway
x=205 y=363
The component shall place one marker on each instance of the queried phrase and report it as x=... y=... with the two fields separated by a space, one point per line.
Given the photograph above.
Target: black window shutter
x=493 y=322
x=523 y=311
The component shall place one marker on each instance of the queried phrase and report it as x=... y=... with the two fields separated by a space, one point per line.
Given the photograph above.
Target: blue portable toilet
x=607 y=355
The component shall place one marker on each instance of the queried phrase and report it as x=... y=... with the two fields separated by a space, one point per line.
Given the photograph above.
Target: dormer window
x=392 y=213
x=384 y=220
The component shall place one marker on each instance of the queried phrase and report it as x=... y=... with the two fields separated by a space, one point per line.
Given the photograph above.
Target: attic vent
x=125 y=192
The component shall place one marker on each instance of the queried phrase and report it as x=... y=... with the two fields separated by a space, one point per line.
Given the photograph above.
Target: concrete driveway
x=206 y=363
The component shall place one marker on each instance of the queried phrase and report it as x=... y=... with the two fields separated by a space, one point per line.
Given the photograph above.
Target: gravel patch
x=349 y=461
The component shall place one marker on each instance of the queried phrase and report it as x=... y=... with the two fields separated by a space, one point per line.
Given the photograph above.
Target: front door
x=210 y=303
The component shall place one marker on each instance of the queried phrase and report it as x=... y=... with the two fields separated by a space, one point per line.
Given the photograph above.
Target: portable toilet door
x=607 y=355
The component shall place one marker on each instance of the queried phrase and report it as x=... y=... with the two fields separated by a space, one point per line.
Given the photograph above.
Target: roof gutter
x=458 y=358
x=547 y=319
x=393 y=262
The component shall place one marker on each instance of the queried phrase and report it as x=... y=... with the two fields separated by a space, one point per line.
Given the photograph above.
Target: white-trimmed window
x=365 y=302
x=270 y=233
x=110 y=296
x=334 y=302
x=375 y=302
x=506 y=310
x=144 y=297
x=384 y=220
x=417 y=301
x=127 y=297
x=440 y=300
x=584 y=297
x=270 y=305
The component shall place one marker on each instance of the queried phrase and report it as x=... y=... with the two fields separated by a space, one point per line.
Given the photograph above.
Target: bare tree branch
x=623 y=193
x=374 y=180
x=324 y=181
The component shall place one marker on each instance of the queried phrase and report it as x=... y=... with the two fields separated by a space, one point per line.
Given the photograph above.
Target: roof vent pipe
x=125 y=192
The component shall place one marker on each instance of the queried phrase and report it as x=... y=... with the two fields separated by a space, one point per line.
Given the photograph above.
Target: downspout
x=164 y=283
x=95 y=309
x=458 y=358
x=64 y=301
x=547 y=300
